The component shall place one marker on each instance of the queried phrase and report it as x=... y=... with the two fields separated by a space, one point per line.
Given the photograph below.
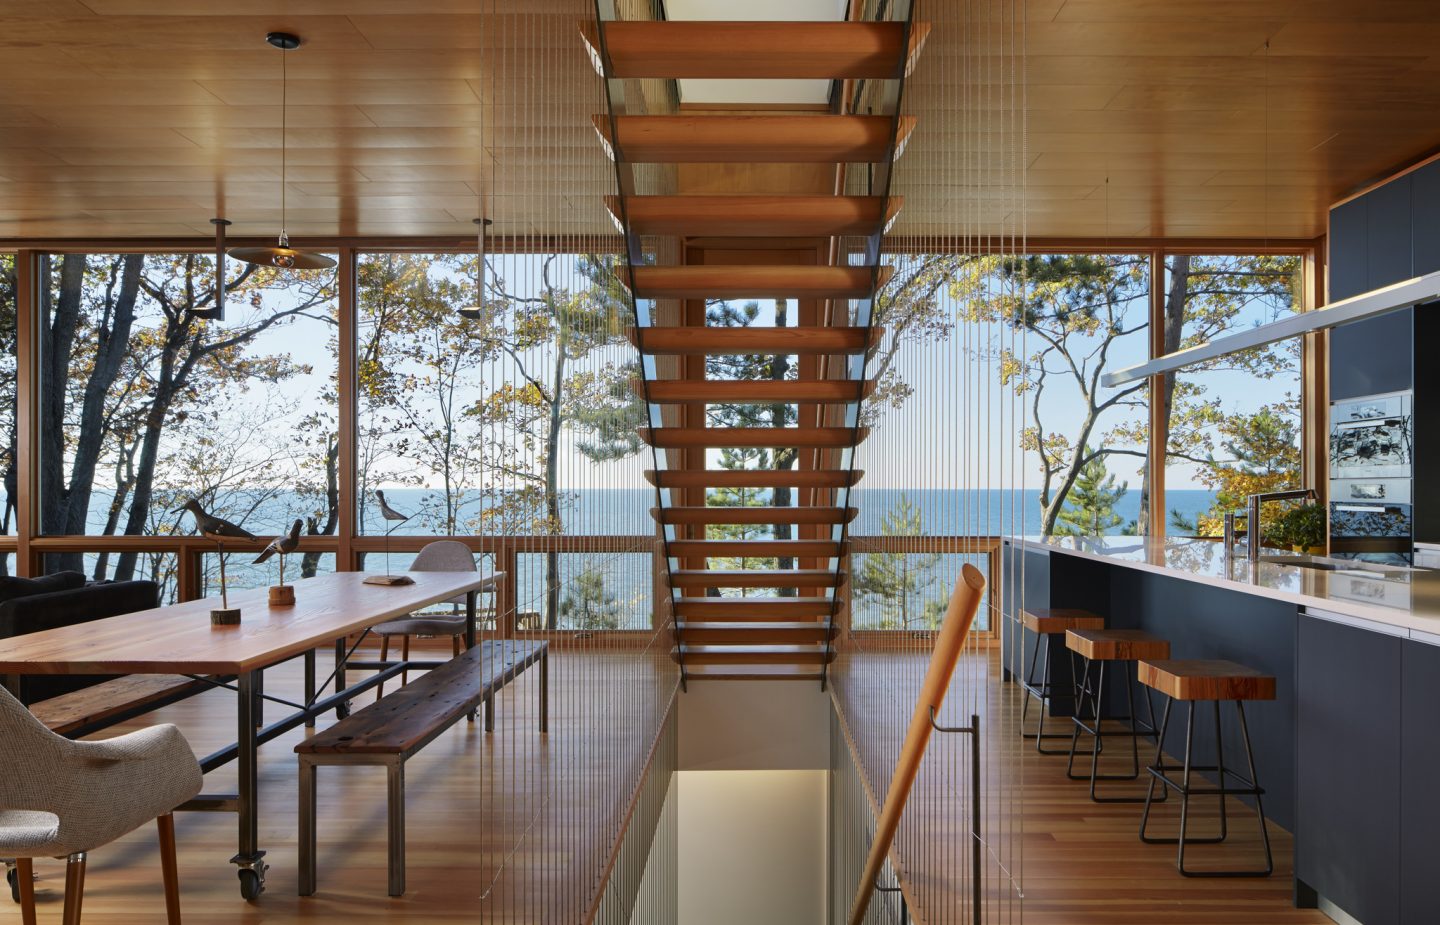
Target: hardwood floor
x=507 y=828
x=513 y=828
x=1074 y=862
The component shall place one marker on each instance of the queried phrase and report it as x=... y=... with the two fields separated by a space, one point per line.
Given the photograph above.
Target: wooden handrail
x=959 y=615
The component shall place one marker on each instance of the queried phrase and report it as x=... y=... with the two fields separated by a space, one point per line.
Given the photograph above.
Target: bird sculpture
x=218 y=529
x=284 y=545
x=388 y=512
x=395 y=518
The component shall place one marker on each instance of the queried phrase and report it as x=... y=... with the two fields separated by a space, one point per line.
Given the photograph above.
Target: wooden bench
x=390 y=730
x=82 y=712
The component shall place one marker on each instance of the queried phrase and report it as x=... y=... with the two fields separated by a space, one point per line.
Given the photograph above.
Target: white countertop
x=1401 y=603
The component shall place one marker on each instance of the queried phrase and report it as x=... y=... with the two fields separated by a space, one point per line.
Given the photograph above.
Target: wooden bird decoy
x=216 y=528
x=284 y=545
x=386 y=511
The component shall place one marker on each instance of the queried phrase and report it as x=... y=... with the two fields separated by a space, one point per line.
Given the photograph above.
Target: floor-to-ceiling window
x=146 y=404
x=1234 y=423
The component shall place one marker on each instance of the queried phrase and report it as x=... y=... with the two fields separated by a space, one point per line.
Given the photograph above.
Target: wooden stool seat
x=1206 y=679
x=1116 y=645
x=1049 y=622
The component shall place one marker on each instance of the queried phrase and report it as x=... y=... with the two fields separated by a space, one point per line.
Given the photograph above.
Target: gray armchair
x=96 y=792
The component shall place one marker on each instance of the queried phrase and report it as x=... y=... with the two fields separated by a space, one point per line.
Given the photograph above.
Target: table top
x=179 y=639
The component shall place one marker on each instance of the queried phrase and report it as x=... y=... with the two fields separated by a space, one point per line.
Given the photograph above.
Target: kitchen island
x=1347 y=750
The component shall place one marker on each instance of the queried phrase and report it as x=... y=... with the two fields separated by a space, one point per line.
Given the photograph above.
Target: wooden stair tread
x=755 y=578
x=754 y=139
x=773 y=654
x=752 y=608
x=752 y=673
x=758 y=282
x=725 y=341
x=741 y=634
x=792 y=514
x=745 y=216
x=683 y=437
x=754 y=549
x=754 y=478
x=747 y=391
x=774 y=50
x=110 y=699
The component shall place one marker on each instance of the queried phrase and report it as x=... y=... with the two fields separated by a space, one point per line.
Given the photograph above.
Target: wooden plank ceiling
x=120 y=118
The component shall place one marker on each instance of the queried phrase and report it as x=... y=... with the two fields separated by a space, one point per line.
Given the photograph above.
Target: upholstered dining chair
x=60 y=798
x=439 y=556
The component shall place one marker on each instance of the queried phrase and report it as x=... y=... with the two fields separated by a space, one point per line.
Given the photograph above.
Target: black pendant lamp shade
x=282 y=255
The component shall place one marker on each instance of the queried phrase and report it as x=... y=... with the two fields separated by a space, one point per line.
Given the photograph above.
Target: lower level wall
x=752 y=847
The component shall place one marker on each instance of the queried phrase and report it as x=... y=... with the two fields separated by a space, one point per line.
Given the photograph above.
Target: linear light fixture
x=1382 y=301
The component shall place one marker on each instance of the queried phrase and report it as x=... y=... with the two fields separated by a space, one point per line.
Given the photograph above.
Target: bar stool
x=1105 y=646
x=1044 y=624
x=1206 y=680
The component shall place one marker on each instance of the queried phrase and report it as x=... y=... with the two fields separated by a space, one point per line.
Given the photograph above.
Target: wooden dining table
x=180 y=639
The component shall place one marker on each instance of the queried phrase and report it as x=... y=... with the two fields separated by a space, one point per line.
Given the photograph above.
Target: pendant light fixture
x=283 y=255
x=216 y=312
x=477 y=311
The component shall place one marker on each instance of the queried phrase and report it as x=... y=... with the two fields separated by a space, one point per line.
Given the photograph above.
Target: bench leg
x=307 y=827
x=545 y=691
x=490 y=713
x=396 y=818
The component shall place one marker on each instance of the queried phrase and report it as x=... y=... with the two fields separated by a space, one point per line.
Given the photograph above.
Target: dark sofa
x=28 y=605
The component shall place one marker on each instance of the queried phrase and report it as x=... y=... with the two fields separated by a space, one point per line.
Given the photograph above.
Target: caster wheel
x=251 y=886
x=12 y=877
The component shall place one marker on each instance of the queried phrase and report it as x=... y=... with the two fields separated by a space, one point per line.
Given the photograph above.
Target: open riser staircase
x=757 y=589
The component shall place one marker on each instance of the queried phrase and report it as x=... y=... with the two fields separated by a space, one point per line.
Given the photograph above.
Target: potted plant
x=1303 y=528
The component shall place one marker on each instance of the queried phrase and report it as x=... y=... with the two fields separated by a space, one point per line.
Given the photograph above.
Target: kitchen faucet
x=1252 y=518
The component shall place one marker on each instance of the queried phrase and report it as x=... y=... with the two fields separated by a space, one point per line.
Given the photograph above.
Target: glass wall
x=147 y=403
x=1234 y=423
x=514 y=419
x=519 y=420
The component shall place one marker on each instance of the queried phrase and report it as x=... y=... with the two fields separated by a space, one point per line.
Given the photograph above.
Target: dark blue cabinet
x=1420 y=758
x=1425 y=218
x=1349 y=249
x=1372 y=356
x=1348 y=716
x=1389 y=244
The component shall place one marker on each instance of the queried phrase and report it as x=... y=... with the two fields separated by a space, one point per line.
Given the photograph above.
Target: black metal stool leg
x=1245 y=786
x=1041 y=692
x=1155 y=775
x=1220 y=773
x=1259 y=792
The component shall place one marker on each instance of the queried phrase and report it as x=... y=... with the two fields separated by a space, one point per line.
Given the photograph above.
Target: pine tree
x=900 y=579
x=1090 y=507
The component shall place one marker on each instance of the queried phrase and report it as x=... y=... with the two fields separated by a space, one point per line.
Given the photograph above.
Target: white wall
x=752 y=846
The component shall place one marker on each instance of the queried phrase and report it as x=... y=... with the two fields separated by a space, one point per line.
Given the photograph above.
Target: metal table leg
x=342 y=710
x=249 y=859
x=309 y=686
